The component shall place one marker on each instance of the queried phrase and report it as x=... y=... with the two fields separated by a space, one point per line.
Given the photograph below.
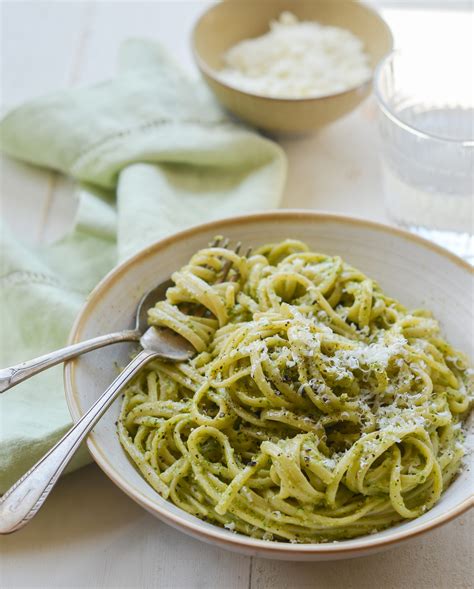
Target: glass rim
x=392 y=115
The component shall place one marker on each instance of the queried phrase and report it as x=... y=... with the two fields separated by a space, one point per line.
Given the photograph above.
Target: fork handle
x=9 y=377
x=22 y=501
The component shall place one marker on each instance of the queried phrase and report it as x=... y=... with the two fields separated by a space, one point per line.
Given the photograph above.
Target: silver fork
x=169 y=345
x=23 y=500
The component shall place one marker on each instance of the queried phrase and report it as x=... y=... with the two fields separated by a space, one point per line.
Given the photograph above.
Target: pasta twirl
x=316 y=409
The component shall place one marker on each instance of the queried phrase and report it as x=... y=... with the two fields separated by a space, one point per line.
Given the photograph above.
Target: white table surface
x=89 y=534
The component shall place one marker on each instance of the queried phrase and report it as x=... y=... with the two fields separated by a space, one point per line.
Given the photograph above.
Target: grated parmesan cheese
x=297 y=59
x=379 y=353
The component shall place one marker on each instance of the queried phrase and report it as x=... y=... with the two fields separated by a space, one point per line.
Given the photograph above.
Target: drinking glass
x=426 y=121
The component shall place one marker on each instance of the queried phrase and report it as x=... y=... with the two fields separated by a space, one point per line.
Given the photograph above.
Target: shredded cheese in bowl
x=297 y=59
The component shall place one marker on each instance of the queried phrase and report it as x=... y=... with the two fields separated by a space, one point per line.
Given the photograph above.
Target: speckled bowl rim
x=213 y=73
x=354 y=547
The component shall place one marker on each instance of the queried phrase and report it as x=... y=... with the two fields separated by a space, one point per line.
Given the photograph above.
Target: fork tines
x=228 y=264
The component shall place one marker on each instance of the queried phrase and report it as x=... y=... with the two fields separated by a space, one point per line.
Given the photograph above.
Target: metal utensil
x=9 y=377
x=22 y=501
x=164 y=342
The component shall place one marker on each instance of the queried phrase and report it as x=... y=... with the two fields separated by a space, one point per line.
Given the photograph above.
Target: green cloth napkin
x=152 y=154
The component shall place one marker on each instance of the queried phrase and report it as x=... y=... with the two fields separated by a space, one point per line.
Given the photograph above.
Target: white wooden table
x=89 y=534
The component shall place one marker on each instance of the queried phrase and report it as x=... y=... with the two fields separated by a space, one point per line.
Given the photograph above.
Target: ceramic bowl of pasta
x=325 y=412
x=290 y=66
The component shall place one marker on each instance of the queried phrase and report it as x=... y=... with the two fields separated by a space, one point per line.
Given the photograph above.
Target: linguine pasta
x=316 y=409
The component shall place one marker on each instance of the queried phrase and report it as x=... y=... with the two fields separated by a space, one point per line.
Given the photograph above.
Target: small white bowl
x=409 y=268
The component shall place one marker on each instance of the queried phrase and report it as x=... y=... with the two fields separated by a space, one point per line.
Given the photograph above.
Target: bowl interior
x=227 y=23
x=408 y=268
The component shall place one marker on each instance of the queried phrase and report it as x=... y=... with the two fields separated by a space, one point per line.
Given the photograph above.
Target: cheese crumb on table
x=297 y=59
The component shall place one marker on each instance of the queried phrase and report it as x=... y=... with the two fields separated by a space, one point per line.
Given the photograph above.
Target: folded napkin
x=152 y=154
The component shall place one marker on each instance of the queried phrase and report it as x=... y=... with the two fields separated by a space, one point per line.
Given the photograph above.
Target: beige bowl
x=408 y=267
x=227 y=23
